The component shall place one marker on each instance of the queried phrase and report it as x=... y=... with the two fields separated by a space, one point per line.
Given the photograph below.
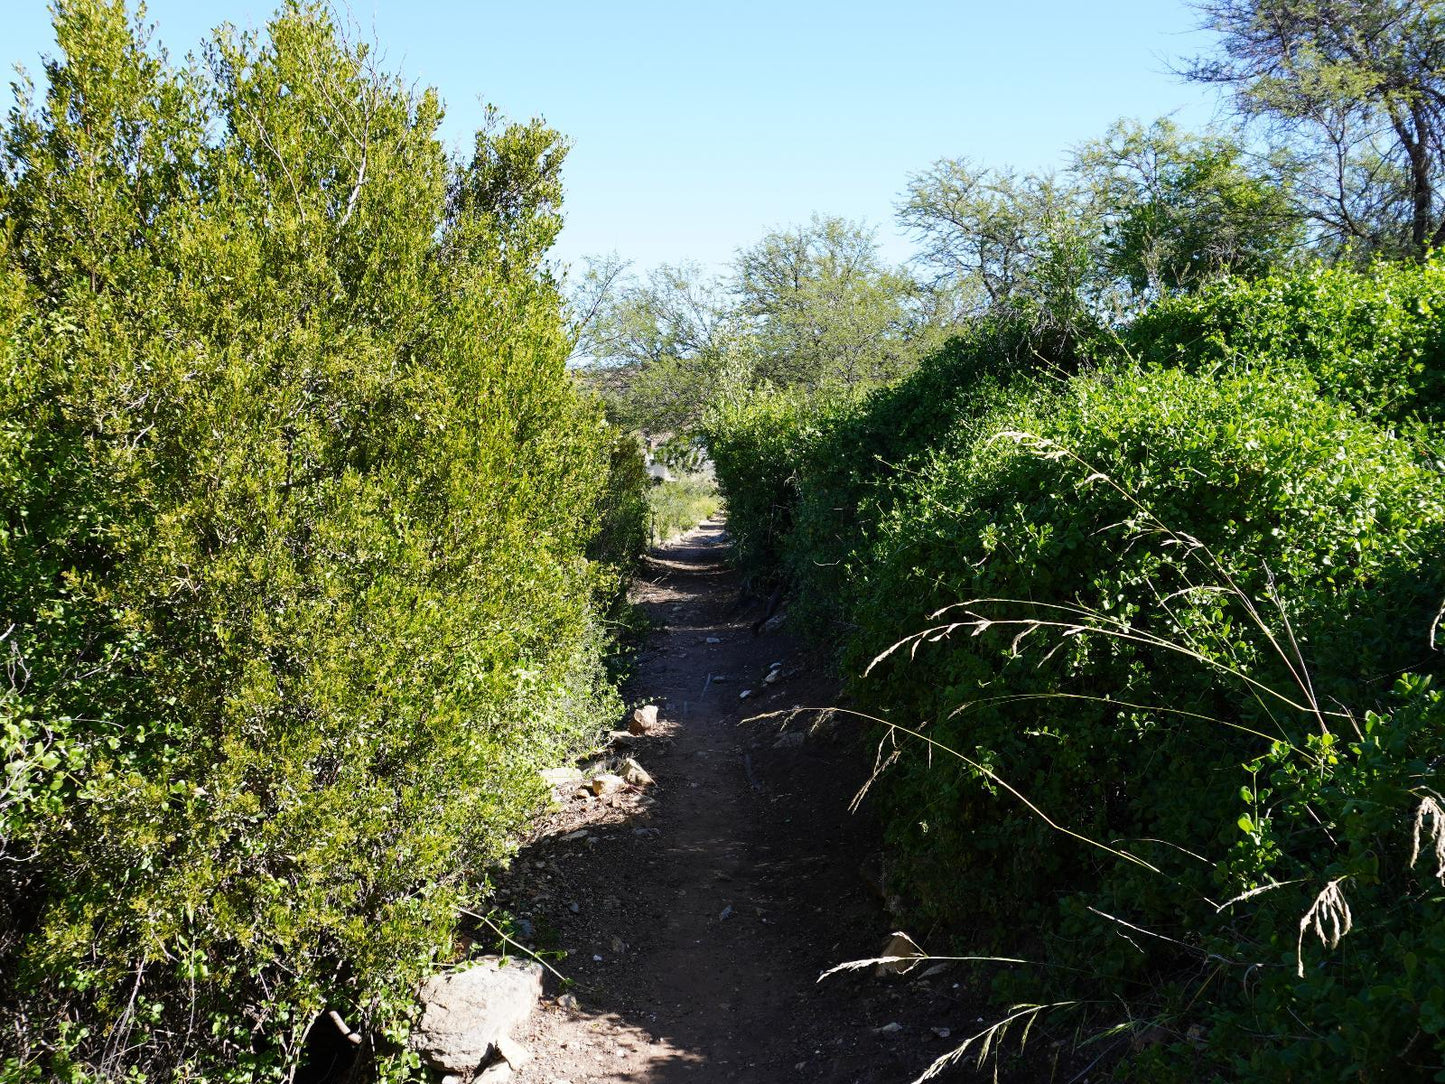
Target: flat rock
x=792 y=740
x=467 y=1013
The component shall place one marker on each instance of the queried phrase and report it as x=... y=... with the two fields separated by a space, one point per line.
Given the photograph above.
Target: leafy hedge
x=1196 y=583
x=296 y=500
x=1374 y=340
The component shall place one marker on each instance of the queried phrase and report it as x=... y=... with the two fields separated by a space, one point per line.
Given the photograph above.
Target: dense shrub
x=295 y=500
x=1209 y=577
x=680 y=504
x=757 y=439
x=1372 y=339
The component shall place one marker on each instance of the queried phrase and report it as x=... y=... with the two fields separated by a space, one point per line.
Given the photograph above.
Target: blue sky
x=698 y=126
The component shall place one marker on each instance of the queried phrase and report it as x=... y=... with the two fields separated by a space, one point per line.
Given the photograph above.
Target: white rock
x=745 y=694
x=714 y=639
x=773 y=676
x=513 y=1053
x=494 y=1073
x=466 y=1013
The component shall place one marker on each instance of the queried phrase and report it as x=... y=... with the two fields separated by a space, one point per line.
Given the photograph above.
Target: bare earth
x=697 y=913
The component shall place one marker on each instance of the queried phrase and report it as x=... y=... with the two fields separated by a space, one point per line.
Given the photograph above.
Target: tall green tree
x=812 y=308
x=1180 y=209
x=823 y=308
x=1354 y=91
x=1021 y=246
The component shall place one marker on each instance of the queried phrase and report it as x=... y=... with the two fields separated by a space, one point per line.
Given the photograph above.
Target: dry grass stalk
x=1430 y=822
x=1330 y=919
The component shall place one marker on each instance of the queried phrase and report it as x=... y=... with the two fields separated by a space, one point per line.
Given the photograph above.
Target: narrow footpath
x=697 y=913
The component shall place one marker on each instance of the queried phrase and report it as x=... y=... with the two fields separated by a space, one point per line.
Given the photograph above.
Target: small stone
x=621 y=737
x=773 y=676
x=775 y=666
x=714 y=640
x=606 y=783
x=774 y=623
x=596 y=959
x=635 y=774
x=644 y=719
x=647 y=833
x=889 y=1029
x=568 y=1002
x=494 y=1073
x=745 y=694
x=792 y=740
x=942 y=1033
x=727 y=913
x=581 y=833
x=574 y=907
x=618 y=946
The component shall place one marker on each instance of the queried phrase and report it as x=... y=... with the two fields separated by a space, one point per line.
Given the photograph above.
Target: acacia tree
x=812 y=307
x=1180 y=208
x=823 y=307
x=1355 y=92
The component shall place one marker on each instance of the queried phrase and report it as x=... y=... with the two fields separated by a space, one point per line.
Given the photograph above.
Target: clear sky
x=698 y=126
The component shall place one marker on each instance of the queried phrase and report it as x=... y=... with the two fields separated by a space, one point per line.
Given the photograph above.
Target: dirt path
x=697 y=914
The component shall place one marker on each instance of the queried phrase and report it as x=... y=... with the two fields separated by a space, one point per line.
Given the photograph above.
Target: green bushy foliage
x=1373 y=338
x=296 y=497
x=680 y=504
x=1293 y=496
x=756 y=439
x=1206 y=578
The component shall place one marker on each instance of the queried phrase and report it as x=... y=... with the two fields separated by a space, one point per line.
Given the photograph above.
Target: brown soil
x=697 y=914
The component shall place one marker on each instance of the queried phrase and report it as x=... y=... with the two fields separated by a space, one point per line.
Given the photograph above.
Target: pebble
x=714 y=639
x=889 y=1029
x=727 y=913
x=745 y=694
x=574 y=908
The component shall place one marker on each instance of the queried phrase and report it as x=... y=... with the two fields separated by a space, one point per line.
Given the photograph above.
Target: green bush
x=1372 y=339
x=756 y=440
x=680 y=504
x=1197 y=572
x=295 y=501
